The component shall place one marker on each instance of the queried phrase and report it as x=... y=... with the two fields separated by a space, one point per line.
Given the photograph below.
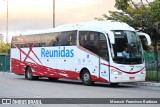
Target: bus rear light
x=115 y=72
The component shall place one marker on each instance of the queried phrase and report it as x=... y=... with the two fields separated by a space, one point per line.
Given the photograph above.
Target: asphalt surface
x=14 y=86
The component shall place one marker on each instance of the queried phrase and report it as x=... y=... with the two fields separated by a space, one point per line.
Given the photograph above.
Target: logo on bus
x=60 y=52
x=132 y=67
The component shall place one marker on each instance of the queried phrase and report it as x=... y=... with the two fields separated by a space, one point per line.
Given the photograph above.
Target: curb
x=2 y=72
x=149 y=84
x=146 y=84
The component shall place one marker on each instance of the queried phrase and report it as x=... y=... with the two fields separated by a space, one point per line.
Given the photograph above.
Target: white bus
x=99 y=51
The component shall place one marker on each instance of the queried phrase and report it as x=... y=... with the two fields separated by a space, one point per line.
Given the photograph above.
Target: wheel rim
x=86 y=77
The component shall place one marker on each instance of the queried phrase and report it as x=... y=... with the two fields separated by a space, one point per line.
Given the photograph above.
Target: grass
x=152 y=75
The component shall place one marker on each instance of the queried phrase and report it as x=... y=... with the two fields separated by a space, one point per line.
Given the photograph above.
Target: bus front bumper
x=127 y=78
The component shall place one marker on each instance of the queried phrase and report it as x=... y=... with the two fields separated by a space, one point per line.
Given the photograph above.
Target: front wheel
x=86 y=78
x=29 y=75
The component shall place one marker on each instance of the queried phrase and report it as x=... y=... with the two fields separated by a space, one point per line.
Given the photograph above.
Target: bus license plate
x=131 y=78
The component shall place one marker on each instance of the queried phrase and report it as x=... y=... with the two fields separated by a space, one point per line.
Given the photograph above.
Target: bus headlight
x=115 y=72
x=143 y=72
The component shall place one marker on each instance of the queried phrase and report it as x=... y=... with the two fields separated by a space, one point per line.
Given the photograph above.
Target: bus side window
x=103 y=50
x=89 y=40
x=72 y=38
x=54 y=39
x=67 y=38
x=62 y=39
x=49 y=39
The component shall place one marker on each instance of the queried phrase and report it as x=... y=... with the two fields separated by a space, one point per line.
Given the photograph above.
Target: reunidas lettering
x=57 y=53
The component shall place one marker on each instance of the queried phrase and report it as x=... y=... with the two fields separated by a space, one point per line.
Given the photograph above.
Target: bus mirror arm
x=146 y=36
x=111 y=37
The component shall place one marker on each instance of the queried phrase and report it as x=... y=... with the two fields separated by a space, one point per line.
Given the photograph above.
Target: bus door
x=104 y=59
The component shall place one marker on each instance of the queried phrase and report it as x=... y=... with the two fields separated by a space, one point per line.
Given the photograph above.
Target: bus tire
x=52 y=79
x=25 y=75
x=86 y=78
x=29 y=74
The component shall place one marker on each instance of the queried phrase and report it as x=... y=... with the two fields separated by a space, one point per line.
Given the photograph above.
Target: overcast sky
x=37 y=14
x=27 y=15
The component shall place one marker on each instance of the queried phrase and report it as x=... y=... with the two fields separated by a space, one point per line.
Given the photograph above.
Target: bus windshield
x=127 y=48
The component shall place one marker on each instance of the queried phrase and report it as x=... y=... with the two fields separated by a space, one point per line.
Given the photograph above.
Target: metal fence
x=152 y=67
x=4 y=62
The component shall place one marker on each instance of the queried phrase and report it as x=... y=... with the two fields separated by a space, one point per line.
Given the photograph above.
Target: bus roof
x=99 y=26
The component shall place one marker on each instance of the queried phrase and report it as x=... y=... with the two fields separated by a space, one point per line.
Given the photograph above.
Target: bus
x=97 y=51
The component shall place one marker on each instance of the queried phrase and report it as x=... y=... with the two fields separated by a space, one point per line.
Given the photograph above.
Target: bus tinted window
x=103 y=50
x=67 y=38
x=49 y=39
x=26 y=41
x=94 y=42
x=89 y=40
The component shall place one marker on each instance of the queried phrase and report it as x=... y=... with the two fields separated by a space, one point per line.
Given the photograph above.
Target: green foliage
x=153 y=76
x=4 y=47
x=156 y=10
x=143 y=17
x=121 y=4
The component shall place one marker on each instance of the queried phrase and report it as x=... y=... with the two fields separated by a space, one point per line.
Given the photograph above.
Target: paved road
x=14 y=86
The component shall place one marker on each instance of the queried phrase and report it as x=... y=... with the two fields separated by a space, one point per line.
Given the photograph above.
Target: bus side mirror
x=146 y=36
x=111 y=37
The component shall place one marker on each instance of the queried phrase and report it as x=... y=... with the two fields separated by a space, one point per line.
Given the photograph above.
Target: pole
x=53 y=13
x=7 y=23
x=6 y=37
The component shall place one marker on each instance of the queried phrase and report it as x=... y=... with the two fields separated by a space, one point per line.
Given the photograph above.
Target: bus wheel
x=52 y=79
x=114 y=84
x=29 y=74
x=86 y=78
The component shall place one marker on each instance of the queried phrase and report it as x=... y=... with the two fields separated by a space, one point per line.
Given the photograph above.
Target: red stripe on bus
x=122 y=70
x=18 y=67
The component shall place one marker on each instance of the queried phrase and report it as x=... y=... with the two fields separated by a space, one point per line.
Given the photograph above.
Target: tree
x=5 y=47
x=142 y=16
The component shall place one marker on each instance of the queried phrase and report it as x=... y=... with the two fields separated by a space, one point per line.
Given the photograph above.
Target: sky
x=37 y=14
x=25 y=15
